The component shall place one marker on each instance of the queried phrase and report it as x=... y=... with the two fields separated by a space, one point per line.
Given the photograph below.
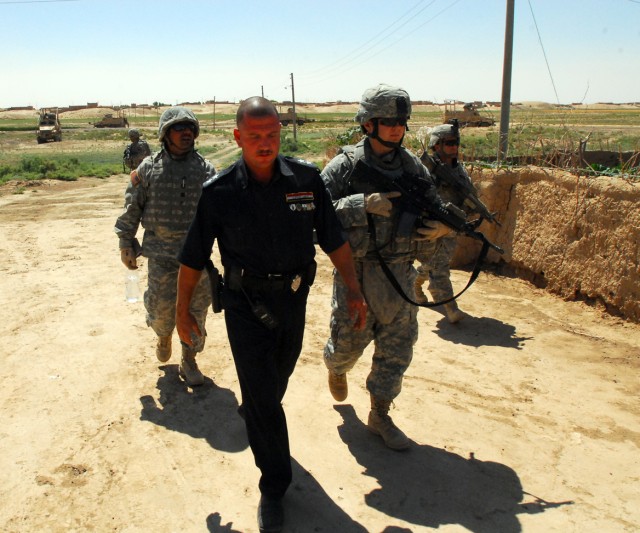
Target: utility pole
x=214 y=112
x=295 y=118
x=505 y=105
x=262 y=90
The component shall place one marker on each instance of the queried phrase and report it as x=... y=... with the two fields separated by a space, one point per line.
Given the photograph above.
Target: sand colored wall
x=576 y=236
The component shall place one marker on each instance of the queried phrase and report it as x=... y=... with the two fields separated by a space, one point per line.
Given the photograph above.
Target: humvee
x=287 y=118
x=469 y=116
x=49 y=128
x=109 y=121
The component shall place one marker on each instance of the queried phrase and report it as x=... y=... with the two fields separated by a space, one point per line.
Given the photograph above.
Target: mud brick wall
x=577 y=237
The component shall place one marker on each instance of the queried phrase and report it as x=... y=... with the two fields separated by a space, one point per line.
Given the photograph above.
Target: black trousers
x=265 y=359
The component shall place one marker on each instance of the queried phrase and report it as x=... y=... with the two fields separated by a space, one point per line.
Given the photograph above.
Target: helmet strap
x=388 y=144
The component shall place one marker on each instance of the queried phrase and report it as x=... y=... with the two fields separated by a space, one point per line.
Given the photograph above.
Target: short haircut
x=255 y=106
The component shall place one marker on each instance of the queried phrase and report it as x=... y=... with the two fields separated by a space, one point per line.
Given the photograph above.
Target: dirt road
x=525 y=417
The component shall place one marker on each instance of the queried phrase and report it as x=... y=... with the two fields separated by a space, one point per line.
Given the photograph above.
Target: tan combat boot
x=454 y=314
x=163 y=349
x=380 y=423
x=189 y=370
x=338 y=386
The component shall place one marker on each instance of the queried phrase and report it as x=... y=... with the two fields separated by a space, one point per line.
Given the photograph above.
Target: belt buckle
x=295 y=283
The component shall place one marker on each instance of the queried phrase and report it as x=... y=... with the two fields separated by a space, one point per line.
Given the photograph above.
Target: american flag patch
x=299 y=197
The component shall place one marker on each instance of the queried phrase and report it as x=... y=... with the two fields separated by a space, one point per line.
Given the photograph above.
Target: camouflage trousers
x=160 y=298
x=434 y=266
x=393 y=333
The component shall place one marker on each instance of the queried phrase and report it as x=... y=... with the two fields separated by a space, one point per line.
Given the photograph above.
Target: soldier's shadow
x=207 y=412
x=431 y=487
x=480 y=331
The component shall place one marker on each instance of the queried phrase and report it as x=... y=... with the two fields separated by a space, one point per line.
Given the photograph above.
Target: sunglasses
x=393 y=122
x=451 y=142
x=183 y=126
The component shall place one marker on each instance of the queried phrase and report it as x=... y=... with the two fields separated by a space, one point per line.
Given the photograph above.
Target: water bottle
x=132 y=287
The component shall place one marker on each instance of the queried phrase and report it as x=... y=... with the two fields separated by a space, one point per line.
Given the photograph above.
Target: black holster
x=216 y=283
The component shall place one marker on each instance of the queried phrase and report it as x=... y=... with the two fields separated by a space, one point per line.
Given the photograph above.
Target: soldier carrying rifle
x=454 y=186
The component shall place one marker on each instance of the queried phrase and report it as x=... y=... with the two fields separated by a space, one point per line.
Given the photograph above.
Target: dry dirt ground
x=524 y=417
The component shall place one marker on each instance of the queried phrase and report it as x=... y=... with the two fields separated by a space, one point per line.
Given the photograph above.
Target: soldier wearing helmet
x=136 y=151
x=162 y=197
x=435 y=256
x=370 y=218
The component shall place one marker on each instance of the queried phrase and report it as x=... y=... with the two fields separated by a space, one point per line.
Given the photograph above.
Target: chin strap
x=388 y=144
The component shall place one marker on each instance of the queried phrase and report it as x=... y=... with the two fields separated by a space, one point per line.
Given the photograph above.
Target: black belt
x=238 y=279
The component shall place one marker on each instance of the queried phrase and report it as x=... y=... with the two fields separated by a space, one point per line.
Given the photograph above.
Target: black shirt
x=263 y=229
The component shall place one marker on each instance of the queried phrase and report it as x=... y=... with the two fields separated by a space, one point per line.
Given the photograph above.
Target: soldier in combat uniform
x=370 y=218
x=163 y=196
x=435 y=257
x=136 y=151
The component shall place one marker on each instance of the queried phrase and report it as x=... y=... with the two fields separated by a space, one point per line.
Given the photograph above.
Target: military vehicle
x=49 y=128
x=287 y=118
x=109 y=121
x=468 y=116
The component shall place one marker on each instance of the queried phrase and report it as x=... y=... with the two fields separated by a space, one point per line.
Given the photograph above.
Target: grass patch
x=62 y=168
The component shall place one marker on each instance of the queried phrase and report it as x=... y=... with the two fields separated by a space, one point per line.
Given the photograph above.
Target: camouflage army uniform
x=435 y=256
x=391 y=321
x=135 y=153
x=164 y=201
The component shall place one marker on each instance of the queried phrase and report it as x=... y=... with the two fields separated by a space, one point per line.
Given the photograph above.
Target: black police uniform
x=266 y=243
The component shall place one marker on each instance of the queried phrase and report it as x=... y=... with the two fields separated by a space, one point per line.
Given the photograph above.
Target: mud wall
x=578 y=237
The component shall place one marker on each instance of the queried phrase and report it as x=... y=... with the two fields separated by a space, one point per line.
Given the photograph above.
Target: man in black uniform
x=263 y=210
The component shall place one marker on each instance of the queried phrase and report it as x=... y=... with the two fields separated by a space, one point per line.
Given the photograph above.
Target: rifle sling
x=394 y=282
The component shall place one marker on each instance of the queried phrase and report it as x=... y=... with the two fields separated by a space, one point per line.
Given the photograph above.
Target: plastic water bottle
x=132 y=287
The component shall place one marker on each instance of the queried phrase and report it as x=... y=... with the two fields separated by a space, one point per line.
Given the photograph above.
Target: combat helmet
x=443 y=131
x=134 y=134
x=173 y=115
x=383 y=101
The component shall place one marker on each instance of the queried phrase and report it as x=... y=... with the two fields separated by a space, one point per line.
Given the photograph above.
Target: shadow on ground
x=480 y=331
x=430 y=487
x=207 y=412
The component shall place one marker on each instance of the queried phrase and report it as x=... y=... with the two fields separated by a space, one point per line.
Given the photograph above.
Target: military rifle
x=416 y=204
x=444 y=173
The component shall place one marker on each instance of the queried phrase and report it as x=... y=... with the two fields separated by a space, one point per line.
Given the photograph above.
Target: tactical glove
x=378 y=203
x=128 y=258
x=434 y=230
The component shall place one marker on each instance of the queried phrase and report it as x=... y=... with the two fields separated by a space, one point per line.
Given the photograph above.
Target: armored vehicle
x=109 y=121
x=469 y=116
x=49 y=128
x=287 y=118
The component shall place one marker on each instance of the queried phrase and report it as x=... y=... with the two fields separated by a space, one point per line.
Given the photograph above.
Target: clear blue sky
x=118 y=52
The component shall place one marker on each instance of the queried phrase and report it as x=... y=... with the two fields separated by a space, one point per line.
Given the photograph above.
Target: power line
x=351 y=58
x=379 y=36
x=543 y=52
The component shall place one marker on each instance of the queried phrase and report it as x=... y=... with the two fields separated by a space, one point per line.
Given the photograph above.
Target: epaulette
x=217 y=176
x=302 y=162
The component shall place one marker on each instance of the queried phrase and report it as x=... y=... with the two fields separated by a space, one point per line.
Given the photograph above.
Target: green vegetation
x=61 y=168
x=542 y=136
